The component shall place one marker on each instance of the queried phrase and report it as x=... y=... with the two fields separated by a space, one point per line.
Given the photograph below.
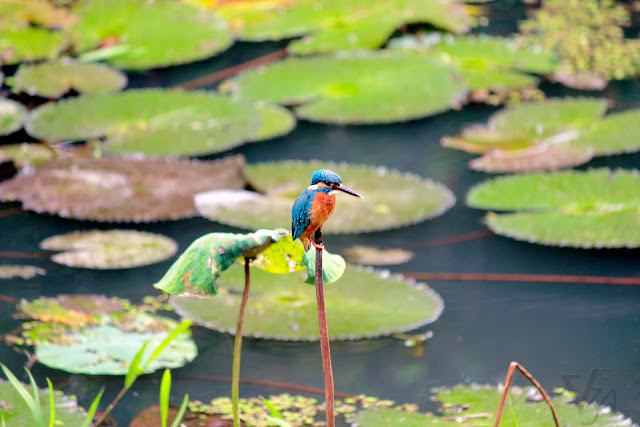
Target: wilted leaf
x=371 y=255
x=109 y=249
x=12 y=115
x=363 y=303
x=121 y=189
x=22 y=271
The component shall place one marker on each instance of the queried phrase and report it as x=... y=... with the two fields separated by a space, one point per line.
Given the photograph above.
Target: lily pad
x=334 y=25
x=21 y=271
x=12 y=115
x=378 y=87
x=121 y=189
x=20 y=14
x=362 y=304
x=391 y=199
x=159 y=33
x=371 y=255
x=15 y=413
x=110 y=249
x=599 y=208
x=30 y=44
x=53 y=79
x=26 y=154
x=463 y=404
x=159 y=122
x=549 y=135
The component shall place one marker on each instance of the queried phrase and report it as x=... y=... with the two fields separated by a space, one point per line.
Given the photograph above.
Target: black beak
x=347 y=190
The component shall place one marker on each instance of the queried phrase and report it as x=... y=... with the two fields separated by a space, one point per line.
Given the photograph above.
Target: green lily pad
x=20 y=14
x=30 y=44
x=391 y=199
x=159 y=122
x=15 y=413
x=53 y=79
x=21 y=271
x=109 y=249
x=371 y=255
x=159 y=33
x=121 y=189
x=26 y=154
x=363 y=303
x=378 y=87
x=12 y=115
x=595 y=209
x=334 y=25
x=463 y=403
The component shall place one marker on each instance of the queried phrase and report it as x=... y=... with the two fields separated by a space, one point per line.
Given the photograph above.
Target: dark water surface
x=553 y=329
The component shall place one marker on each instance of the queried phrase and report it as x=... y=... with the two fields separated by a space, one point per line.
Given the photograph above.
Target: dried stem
x=324 y=335
x=235 y=379
x=507 y=383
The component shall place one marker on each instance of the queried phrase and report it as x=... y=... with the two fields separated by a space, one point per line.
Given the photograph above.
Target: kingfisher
x=314 y=206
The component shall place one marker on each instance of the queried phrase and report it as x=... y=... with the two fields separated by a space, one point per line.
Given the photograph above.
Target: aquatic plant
x=12 y=115
x=22 y=271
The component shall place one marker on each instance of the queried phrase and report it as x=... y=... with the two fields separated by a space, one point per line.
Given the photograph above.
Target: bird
x=314 y=206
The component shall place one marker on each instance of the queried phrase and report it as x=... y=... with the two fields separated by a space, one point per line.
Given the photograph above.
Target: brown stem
x=507 y=382
x=324 y=335
x=112 y=405
x=235 y=379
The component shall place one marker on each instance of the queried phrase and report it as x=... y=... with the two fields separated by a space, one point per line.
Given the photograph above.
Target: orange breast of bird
x=322 y=207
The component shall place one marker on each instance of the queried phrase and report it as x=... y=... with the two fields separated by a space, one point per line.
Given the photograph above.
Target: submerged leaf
x=21 y=271
x=363 y=303
x=595 y=209
x=109 y=249
x=368 y=88
x=391 y=199
x=121 y=189
x=12 y=115
x=53 y=79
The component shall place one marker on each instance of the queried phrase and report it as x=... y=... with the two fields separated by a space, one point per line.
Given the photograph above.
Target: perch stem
x=324 y=334
x=507 y=383
x=235 y=380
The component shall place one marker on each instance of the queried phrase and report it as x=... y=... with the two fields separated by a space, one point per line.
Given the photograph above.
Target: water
x=553 y=329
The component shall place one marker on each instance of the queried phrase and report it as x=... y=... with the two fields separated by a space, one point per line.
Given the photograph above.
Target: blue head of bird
x=326 y=178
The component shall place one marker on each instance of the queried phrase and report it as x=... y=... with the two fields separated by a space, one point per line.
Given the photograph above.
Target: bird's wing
x=300 y=218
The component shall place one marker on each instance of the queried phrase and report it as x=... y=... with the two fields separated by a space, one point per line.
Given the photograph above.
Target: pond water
x=554 y=329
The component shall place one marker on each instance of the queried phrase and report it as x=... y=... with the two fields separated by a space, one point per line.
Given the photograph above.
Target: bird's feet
x=316 y=245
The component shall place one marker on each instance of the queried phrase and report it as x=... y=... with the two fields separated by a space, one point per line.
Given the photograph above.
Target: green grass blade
x=52 y=404
x=92 y=409
x=34 y=388
x=181 y=411
x=22 y=390
x=182 y=327
x=272 y=409
x=165 y=389
x=279 y=422
x=134 y=368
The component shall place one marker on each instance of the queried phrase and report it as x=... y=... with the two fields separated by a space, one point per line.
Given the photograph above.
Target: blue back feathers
x=325 y=175
x=300 y=213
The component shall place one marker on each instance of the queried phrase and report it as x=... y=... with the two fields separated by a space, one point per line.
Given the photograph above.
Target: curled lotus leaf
x=363 y=303
x=197 y=270
x=158 y=34
x=599 y=208
x=27 y=154
x=12 y=114
x=372 y=87
x=333 y=266
x=334 y=25
x=109 y=249
x=371 y=255
x=391 y=199
x=121 y=189
x=160 y=122
x=30 y=44
x=16 y=413
x=55 y=78
x=462 y=404
x=21 y=271
x=283 y=256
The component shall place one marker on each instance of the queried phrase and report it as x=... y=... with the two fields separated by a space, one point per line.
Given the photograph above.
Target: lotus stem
x=235 y=378
x=112 y=405
x=507 y=383
x=324 y=335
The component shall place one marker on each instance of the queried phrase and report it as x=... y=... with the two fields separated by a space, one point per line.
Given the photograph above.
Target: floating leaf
x=159 y=122
x=26 y=154
x=159 y=33
x=21 y=271
x=368 y=88
x=195 y=273
x=30 y=44
x=20 y=14
x=121 y=189
x=333 y=266
x=15 y=413
x=391 y=199
x=595 y=209
x=363 y=303
x=371 y=255
x=53 y=79
x=12 y=115
x=109 y=249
